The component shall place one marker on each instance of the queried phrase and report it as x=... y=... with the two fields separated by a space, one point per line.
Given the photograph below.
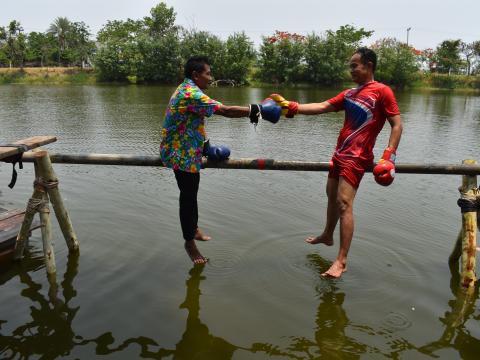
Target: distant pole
x=408 y=32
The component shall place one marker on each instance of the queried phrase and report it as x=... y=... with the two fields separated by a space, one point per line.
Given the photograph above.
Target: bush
x=445 y=81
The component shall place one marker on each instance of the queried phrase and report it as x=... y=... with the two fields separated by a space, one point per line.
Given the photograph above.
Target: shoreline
x=88 y=76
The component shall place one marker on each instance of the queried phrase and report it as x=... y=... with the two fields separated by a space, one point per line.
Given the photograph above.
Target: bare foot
x=336 y=270
x=194 y=254
x=201 y=236
x=321 y=239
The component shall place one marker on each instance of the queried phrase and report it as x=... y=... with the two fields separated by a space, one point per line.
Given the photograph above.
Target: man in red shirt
x=366 y=107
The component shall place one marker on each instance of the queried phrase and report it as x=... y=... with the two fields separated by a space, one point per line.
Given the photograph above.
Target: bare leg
x=200 y=236
x=332 y=216
x=345 y=196
x=193 y=253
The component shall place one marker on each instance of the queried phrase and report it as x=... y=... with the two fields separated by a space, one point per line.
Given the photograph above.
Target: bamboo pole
x=48 y=250
x=51 y=183
x=24 y=232
x=468 y=234
x=248 y=164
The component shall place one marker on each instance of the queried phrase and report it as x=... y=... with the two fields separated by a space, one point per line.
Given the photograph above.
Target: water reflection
x=456 y=334
x=50 y=334
x=196 y=343
x=330 y=339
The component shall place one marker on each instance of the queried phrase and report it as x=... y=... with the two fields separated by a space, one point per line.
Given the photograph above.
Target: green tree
x=397 y=63
x=469 y=52
x=448 y=56
x=204 y=43
x=326 y=57
x=239 y=57
x=40 y=47
x=140 y=50
x=3 y=47
x=80 y=47
x=161 y=21
x=476 y=63
x=160 y=58
x=118 y=30
x=281 y=58
x=118 y=55
x=60 y=29
x=14 y=44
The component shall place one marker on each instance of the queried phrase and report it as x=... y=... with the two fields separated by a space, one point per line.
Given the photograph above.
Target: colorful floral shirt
x=183 y=130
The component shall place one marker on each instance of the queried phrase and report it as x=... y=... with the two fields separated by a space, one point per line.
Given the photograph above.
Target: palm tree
x=60 y=28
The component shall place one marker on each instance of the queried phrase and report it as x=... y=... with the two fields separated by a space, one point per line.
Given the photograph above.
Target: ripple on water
x=224 y=262
x=388 y=258
x=396 y=321
x=276 y=264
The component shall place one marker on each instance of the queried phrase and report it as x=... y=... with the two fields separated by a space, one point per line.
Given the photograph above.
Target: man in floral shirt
x=183 y=135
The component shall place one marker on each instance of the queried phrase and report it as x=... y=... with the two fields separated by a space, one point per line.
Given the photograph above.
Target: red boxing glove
x=289 y=108
x=384 y=171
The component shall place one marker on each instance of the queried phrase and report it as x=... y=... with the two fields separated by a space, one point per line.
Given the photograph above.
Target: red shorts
x=350 y=169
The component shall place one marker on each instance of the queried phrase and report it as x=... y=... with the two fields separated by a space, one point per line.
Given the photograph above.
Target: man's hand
x=384 y=171
x=289 y=108
x=267 y=110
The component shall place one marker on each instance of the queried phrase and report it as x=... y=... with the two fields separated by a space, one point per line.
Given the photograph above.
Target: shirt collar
x=189 y=82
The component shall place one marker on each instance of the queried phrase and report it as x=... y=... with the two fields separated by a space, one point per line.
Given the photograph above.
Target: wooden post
x=48 y=250
x=468 y=234
x=24 y=232
x=50 y=182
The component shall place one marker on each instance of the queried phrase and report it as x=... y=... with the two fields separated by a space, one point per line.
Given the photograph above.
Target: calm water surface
x=132 y=293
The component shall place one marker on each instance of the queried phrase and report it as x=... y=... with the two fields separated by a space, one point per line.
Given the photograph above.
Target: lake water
x=133 y=293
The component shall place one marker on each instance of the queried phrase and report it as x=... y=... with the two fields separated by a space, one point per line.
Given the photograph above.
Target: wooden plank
x=4 y=215
x=10 y=226
x=31 y=142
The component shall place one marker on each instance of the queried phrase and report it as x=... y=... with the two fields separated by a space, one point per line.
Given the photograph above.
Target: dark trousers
x=188 y=184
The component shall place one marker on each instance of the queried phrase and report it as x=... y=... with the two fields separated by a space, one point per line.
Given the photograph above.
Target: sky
x=430 y=21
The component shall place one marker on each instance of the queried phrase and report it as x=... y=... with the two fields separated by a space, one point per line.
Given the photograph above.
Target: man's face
x=203 y=78
x=359 y=71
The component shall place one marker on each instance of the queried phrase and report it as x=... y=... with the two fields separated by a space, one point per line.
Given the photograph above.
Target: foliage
x=281 y=58
x=239 y=57
x=397 y=63
x=74 y=47
x=40 y=48
x=160 y=59
x=80 y=47
x=471 y=53
x=204 y=43
x=154 y=48
x=140 y=50
x=448 y=57
x=445 y=81
x=162 y=20
x=326 y=57
x=12 y=44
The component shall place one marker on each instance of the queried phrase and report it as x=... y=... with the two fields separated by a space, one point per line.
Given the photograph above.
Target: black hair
x=367 y=55
x=195 y=63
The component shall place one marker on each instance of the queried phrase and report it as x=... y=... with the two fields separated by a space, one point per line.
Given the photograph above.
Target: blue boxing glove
x=216 y=153
x=223 y=152
x=267 y=110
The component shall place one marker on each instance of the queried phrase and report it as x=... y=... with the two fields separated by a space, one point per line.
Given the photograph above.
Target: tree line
x=154 y=48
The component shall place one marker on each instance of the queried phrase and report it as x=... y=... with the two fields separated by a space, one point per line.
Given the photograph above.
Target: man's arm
x=396 y=131
x=315 y=108
x=233 y=111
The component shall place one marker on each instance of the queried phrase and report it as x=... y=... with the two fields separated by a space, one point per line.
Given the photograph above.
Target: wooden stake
x=24 y=232
x=51 y=183
x=48 y=250
x=468 y=233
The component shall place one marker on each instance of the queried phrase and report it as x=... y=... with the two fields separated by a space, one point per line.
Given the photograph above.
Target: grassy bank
x=70 y=75
x=445 y=81
x=47 y=75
